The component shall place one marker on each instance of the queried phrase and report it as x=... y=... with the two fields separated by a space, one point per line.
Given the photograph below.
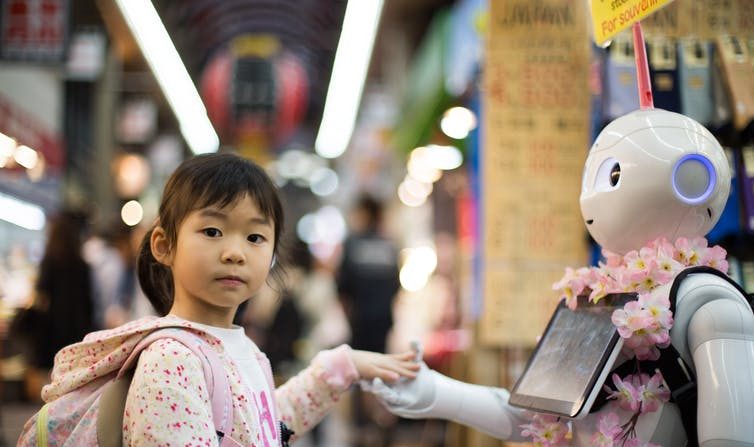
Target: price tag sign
x=610 y=17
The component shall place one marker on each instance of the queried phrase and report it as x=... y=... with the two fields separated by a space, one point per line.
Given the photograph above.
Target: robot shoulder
x=725 y=308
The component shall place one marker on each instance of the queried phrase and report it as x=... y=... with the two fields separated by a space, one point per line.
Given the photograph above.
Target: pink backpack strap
x=215 y=376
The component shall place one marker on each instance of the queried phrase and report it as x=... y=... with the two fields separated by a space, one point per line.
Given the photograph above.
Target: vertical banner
x=536 y=121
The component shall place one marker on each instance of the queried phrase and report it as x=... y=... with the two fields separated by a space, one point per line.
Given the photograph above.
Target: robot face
x=651 y=174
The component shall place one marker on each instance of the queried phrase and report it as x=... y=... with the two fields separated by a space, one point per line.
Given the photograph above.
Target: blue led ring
x=710 y=184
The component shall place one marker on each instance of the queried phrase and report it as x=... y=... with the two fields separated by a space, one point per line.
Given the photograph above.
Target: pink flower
x=608 y=431
x=715 y=257
x=612 y=259
x=639 y=392
x=602 y=286
x=644 y=325
x=644 y=342
x=689 y=252
x=635 y=261
x=625 y=279
x=666 y=260
x=658 y=306
x=546 y=431
x=653 y=392
x=626 y=395
x=650 y=277
x=631 y=319
x=570 y=286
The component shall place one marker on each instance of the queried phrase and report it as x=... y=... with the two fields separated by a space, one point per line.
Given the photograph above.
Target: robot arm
x=433 y=395
x=719 y=327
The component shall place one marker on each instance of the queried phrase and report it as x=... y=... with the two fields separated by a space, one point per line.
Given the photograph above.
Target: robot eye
x=615 y=174
x=608 y=175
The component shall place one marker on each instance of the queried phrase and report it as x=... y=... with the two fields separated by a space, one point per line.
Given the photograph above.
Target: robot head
x=650 y=174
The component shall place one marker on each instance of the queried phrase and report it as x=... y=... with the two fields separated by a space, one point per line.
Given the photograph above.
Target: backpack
x=92 y=414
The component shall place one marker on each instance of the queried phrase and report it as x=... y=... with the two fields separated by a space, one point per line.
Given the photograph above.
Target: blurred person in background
x=325 y=324
x=64 y=290
x=112 y=261
x=367 y=282
x=367 y=278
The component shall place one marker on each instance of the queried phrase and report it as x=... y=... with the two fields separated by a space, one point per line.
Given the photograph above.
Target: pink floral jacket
x=176 y=411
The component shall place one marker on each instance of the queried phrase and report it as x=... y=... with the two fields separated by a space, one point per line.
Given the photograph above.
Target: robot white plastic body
x=649 y=174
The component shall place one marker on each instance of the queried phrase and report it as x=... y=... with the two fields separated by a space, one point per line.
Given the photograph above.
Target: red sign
x=33 y=29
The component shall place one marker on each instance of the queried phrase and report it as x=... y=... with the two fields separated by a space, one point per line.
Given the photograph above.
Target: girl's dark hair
x=204 y=180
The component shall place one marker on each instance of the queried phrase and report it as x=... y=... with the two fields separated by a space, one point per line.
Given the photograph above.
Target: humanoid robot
x=649 y=174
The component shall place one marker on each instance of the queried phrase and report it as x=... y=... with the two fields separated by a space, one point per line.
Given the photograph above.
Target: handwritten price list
x=536 y=141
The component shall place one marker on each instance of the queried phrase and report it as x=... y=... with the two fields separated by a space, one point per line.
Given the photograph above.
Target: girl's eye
x=211 y=232
x=255 y=238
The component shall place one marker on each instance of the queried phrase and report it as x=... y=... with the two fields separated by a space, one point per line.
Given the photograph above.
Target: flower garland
x=644 y=325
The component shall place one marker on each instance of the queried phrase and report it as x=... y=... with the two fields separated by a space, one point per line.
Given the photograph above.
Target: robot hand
x=433 y=395
x=408 y=398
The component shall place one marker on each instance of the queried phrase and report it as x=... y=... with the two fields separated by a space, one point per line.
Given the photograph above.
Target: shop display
x=694 y=79
x=663 y=67
x=734 y=63
x=620 y=78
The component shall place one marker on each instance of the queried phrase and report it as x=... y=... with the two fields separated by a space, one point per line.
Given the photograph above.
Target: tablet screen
x=570 y=357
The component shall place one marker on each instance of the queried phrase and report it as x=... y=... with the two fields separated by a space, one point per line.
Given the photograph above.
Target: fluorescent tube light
x=348 y=75
x=21 y=213
x=171 y=74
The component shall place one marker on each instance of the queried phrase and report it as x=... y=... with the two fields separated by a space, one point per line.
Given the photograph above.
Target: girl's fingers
x=404 y=369
x=407 y=355
x=406 y=372
x=387 y=375
x=389 y=368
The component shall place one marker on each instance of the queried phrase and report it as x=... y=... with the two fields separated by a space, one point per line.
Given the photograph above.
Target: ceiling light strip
x=348 y=75
x=171 y=74
x=21 y=213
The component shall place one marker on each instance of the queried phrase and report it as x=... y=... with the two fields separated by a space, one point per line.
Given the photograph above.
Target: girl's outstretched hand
x=388 y=367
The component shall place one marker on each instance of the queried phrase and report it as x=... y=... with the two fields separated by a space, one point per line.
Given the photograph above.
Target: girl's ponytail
x=155 y=278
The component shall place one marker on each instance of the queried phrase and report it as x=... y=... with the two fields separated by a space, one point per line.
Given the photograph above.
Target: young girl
x=214 y=244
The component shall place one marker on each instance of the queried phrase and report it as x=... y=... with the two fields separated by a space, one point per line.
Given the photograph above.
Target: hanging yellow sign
x=609 y=17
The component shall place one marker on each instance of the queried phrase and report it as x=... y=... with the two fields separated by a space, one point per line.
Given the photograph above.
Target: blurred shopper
x=325 y=324
x=283 y=334
x=368 y=277
x=64 y=290
x=113 y=262
x=367 y=282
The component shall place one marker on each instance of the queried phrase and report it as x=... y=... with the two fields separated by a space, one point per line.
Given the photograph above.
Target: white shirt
x=243 y=351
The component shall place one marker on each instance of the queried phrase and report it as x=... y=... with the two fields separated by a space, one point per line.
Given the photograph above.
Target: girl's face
x=222 y=258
